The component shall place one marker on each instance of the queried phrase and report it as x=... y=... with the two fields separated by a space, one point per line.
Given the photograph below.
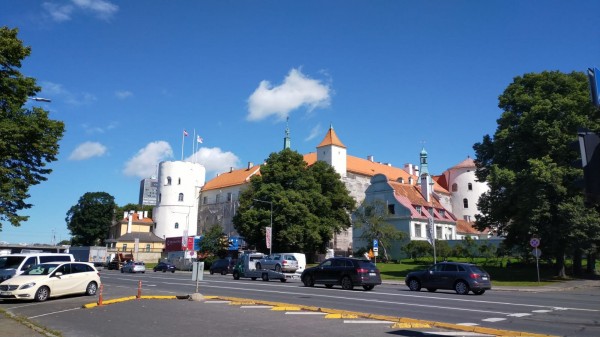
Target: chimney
x=125 y=215
x=140 y=215
x=145 y=214
x=425 y=187
x=416 y=168
x=230 y=169
x=408 y=168
x=370 y=158
x=129 y=222
x=250 y=164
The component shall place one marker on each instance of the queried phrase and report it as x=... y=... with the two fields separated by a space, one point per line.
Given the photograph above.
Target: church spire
x=287 y=142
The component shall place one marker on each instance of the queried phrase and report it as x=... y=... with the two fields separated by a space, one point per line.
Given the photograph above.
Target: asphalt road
x=566 y=313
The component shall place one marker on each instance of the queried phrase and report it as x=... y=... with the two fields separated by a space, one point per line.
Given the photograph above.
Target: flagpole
x=194 y=147
x=182 y=141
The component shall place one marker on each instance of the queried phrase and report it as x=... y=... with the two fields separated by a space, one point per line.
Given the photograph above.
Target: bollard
x=139 y=294
x=100 y=294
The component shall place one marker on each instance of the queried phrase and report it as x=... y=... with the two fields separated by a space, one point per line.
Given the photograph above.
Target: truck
x=93 y=254
x=246 y=267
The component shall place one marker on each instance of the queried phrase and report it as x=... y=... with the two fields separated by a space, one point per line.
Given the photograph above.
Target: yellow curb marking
x=333 y=316
x=286 y=309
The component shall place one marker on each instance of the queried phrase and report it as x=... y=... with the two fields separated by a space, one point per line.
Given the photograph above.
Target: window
x=168 y=181
x=204 y=200
x=466 y=203
x=418 y=209
x=467 y=217
x=229 y=196
x=418 y=232
x=470 y=186
x=442 y=213
x=218 y=198
x=438 y=232
x=178 y=181
x=176 y=225
x=124 y=247
x=391 y=209
x=180 y=196
x=147 y=247
x=159 y=197
x=454 y=187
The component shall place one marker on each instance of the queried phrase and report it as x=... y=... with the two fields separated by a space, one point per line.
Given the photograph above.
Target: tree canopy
x=89 y=221
x=309 y=205
x=528 y=165
x=28 y=138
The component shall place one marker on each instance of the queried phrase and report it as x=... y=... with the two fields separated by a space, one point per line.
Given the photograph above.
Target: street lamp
x=432 y=223
x=270 y=236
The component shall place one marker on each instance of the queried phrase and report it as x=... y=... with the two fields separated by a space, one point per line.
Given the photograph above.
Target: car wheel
x=154 y=270
x=265 y=276
x=173 y=271
x=253 y=278
x=369 y=287
x=283 y=279
x=478 y=292
x=144 y=272
x=278 y=268
x=414 y=284
x=212 y=272
x=236 y=275
x=42 y=294
x=329 y=286
x=91 y=289
x=258 y=266
x=347 y=283
x=431 y=290
x=223 y=272
x=308 y=281
x=461 y=288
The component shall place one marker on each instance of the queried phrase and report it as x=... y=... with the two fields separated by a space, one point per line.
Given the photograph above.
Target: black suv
x=345 y=271
x=460 y=277
x=223 y=266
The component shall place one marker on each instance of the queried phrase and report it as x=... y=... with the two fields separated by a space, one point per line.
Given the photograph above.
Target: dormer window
x=418 y=209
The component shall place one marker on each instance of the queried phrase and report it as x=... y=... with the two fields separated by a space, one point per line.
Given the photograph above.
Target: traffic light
x=589 y=146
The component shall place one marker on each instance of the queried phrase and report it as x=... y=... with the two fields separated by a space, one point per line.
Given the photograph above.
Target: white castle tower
x=176 y=211
x=465 y=189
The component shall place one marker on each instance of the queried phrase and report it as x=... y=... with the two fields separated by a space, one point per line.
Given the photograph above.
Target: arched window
x=159 y=197
x=168 y=181
x=179 y=181
x=180 y=196
x=470 y=187
x=454 y=187
x=176 y=225
x=466 y=203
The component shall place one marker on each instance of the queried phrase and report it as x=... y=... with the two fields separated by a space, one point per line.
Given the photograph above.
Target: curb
x=396 y=322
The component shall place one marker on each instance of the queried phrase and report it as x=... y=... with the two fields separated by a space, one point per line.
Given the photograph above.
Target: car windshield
x=10 y=262
x=40 y=269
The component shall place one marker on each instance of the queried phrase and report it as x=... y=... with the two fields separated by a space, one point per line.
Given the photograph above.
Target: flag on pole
x=199 y=139
x=185 y=133
x=430 y=231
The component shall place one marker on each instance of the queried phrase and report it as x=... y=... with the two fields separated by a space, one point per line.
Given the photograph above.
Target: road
x=568 y=313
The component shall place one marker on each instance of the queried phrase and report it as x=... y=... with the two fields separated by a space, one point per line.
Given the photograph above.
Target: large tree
x=28 y=138
x=309 y=205
x=89 y=221
x=528 y=164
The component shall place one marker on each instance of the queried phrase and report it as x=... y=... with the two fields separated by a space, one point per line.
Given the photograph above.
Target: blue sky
x=390 y=76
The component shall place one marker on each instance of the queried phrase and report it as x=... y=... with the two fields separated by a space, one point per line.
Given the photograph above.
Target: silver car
x=278 y=262
x=134 y=267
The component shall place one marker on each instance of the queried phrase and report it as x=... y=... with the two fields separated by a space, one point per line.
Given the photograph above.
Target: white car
x=134 y=267
x=52 y=279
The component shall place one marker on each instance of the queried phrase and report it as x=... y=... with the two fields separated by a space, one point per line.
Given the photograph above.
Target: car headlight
x=27 y=285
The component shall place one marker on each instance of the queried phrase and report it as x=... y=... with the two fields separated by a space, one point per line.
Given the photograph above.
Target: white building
x=176 y=211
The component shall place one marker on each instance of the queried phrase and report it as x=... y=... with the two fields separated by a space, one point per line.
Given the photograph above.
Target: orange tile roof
x=413 y=194
x=467 y=163
x=135 y=218
x=231 y=178
x=331 y=138
x=464 y=226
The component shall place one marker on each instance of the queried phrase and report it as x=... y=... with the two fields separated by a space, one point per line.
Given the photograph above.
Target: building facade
x=148 y=191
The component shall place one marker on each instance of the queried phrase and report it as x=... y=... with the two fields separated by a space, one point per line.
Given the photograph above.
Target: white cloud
x=100 y=8
x=90 y=130
x=88 y=150
x=214 y=159
x=145 y=161
x=297 y=90
x=123 y=94
x=57 y=90
x=314 y=132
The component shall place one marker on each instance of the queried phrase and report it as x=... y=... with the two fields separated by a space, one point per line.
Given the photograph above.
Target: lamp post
x=270 y=236
x=432 y=223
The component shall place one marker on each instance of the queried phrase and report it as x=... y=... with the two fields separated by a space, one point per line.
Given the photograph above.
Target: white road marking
x=541 y=311
x=468 y=324
x=52 y=313
x=494 y=319
x=519 y=315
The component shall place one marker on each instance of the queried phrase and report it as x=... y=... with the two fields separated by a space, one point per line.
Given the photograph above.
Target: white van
x=16 y=264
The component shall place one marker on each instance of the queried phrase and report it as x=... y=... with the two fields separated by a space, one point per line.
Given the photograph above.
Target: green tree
x=417 y=249
x=212 y=241
x=28 y=138
x=528 y=163
x=309 y=205
x=370 y=218
x=90 y=219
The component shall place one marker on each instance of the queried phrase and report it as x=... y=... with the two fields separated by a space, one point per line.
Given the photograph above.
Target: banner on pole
x=268 y=237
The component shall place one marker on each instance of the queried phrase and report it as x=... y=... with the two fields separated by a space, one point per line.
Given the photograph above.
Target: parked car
x=164 y=267
x=460 y=277
x=134 y=267
x=278 y=262
x=52 y=279
x=345 y=271
x=223 y=266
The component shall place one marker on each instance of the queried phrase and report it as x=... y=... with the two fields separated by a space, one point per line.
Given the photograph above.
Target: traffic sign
x=534 y=242
x=375 y=243
x=536 y=252
x=375 y=249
